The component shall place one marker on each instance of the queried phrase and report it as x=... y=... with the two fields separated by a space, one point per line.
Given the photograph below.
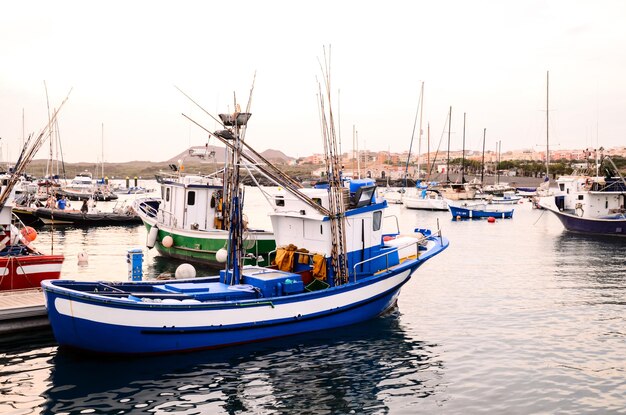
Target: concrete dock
x=22 y=310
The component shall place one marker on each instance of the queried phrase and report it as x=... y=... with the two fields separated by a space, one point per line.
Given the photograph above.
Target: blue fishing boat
x=333 y=267
x=479 y=210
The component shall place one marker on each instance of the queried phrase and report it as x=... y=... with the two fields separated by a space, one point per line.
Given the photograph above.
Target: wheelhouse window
x=191 y=198
x=167 y=194
x=280 y=201
x=378 y=220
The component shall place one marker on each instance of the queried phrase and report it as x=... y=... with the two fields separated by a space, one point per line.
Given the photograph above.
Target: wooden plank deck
x=22 y=310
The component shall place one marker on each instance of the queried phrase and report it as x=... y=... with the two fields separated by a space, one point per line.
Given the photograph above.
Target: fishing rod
x=28 y=152
x=277 y=179
x=248 y=147
x=337 y=222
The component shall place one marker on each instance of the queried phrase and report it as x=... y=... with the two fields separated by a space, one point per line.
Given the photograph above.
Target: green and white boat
x=187 y=223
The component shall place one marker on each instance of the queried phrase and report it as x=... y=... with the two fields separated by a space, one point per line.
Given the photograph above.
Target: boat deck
x=22 y=310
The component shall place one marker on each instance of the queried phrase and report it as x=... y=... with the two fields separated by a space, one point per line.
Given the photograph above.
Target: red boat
x=21 y=264
x=27 y=271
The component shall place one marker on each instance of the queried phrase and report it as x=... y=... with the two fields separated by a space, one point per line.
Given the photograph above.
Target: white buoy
x=83 y=258
x=221 y=255
x=167 y=241
x=185 y=271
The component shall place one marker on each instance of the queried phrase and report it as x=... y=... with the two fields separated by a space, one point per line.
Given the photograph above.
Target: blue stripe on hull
x=92 y=336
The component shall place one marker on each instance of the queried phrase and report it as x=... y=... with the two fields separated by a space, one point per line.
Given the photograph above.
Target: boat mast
x=498 y=151
x=448 y=162
x=233 y=193
x=408 y=158
x=419 y=141
x=482 y=163
x=428 y=168
x=354 y=151
x=547 y=124
x=336 y=191
x=463 y=154
x=49 y=163
x=358 y=154
x=102 y=149
x=233 y=196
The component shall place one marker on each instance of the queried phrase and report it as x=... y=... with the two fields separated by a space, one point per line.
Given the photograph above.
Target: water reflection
x=24 y=370
x=595 y=258
x=361 y=369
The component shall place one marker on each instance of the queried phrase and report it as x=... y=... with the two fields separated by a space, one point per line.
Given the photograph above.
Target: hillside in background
x=197 y=159
x=217 y=155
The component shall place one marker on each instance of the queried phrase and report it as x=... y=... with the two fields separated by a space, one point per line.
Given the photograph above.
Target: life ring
x=579 y=210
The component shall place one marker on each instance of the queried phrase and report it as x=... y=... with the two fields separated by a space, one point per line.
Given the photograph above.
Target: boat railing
x=167 y=218
x=163 y=216
x=420 y=241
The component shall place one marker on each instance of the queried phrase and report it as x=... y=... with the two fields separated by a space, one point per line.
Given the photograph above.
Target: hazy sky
x=485 y=58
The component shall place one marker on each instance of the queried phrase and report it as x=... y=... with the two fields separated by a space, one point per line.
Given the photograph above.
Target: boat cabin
x=297 y=224
x=191 y=202
x=590 y=196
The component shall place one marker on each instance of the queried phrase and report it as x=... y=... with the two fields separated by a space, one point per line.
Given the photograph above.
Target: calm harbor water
x=517 y=316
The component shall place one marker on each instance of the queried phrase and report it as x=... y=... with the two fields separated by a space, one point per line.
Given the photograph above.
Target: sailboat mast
x=482 y=163
x=448 y=161
x=408 y=158
x=498 y=151
x=463 y=154
x=102 y=149
x=358 y=154
x=49 y=163
x=419 y=141
x=428 y=151
x=547 y=123
x=354 y=150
